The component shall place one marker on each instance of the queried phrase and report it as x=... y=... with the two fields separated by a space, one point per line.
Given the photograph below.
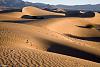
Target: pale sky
x=66 y=2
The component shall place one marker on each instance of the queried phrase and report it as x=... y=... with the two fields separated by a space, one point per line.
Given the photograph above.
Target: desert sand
x=33 y=11
x=52 y=42
x=62 y=25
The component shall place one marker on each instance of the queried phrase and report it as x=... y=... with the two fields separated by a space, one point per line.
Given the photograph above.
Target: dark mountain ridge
x=21 y=4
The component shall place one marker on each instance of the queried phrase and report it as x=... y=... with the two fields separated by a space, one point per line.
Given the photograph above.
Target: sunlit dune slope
x=71 y=26
x=12 y=14
x=21 y=35
x=33 y=11
x=31 y=57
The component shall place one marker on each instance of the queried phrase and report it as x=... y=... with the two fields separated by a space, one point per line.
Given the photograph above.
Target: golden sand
x=28 y=44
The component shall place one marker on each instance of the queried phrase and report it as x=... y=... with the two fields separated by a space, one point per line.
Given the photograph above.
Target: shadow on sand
x=95 y=39
x=11 y=10
x=41 y=17
x=17 y=21
x=65 y=50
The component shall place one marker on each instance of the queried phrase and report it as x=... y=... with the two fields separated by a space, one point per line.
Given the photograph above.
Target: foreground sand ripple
x=19 y=45
x=37 y=58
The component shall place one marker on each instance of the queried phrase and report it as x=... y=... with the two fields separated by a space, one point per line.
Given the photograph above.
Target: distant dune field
x=48 y=42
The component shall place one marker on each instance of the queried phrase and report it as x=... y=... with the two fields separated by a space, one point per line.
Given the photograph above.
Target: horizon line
x=60 y=4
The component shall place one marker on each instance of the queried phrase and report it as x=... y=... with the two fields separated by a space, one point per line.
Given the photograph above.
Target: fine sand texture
x=51 y=42
x=11 y=56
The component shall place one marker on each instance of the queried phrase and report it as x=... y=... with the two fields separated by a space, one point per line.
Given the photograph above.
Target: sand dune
x=14 y=17
x=47 y=42
x=62 y=25
x=33 y=11
x=42 y=33
x=12 y=14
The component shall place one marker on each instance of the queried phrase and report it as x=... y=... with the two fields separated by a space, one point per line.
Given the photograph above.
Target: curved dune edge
x=33 y=11
x=31 y=57
x=19 y=33
x=62 y=25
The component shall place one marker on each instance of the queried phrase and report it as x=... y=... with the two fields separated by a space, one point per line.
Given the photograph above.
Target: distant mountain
x=21 y=3
x=12 y=3
x=81 y=7
x=39 y=5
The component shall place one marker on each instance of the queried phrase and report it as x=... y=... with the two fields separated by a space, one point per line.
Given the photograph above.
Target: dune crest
x=33 y=11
